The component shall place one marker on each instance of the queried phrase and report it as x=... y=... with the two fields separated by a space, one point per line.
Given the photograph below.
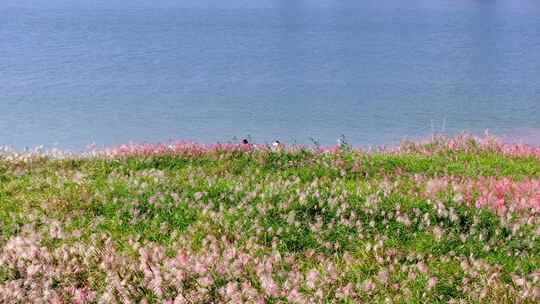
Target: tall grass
x=453 y=220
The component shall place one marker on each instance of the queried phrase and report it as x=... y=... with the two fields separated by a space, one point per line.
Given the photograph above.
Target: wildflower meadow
x=449 y=220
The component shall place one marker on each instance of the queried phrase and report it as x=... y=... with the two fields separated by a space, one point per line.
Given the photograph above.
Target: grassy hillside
x=449 y=221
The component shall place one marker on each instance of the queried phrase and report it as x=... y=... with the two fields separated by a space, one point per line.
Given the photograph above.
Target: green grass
x=293 y=202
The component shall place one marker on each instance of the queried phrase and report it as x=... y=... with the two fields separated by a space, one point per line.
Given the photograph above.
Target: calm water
x=77 y=72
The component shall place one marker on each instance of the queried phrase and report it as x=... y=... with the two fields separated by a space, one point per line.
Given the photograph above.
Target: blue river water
x=378 y=71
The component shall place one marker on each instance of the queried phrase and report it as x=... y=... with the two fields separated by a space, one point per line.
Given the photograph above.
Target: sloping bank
x=451 y=221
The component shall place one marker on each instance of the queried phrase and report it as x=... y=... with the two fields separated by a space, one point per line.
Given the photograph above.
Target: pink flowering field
x=450 y=220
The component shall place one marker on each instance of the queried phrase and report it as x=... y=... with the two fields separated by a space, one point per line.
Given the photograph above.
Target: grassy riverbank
x=450 y=220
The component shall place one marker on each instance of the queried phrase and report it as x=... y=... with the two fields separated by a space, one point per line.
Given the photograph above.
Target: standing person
x=276 y=145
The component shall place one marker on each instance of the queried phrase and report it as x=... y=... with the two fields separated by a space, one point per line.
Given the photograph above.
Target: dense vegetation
x=449 y=221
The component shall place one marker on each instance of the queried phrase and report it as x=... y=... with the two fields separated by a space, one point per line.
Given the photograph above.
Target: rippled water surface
x=77 y=72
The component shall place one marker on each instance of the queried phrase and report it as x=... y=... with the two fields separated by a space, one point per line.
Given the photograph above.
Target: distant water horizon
x=73 y=73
